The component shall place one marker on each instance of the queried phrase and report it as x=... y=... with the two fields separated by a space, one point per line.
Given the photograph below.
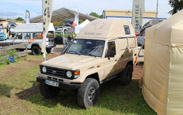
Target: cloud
x=23 y=2
x=9 y=13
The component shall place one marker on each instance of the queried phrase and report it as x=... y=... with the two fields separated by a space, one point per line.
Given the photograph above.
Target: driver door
x=111 y=60
x=18 y=39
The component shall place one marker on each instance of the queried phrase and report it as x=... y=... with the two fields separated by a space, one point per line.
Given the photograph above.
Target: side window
x=111 y=49
x=19 y=36
x=127 y=29
x=27 y=36
x=37 y=35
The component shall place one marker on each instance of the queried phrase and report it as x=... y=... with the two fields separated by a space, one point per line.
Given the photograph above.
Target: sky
x=16 y=8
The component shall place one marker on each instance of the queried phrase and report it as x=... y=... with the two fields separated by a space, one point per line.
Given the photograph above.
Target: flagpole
x=157 y=8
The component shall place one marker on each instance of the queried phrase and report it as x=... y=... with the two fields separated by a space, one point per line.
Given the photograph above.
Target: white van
x=32 y=35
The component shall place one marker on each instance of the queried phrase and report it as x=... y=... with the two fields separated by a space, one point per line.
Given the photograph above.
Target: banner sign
x=137 y=14
x=47 y=14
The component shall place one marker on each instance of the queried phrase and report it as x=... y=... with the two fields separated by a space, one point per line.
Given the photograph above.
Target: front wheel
x=36 y=50
x=88 y=93
x=126 y=75
x=48 y=91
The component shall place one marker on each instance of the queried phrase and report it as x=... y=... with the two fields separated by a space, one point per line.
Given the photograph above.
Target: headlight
x=44 y=70
x=69 y=74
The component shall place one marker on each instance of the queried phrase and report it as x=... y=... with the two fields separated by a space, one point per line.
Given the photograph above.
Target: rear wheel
x=36 y=50
x=48 y=50
x=126 y=75
x=88 y=93
x=48 y=91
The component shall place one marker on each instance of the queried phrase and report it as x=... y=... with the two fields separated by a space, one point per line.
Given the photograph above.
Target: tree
x=19 y=19
x=1 y=19
x=56 y=23
x=94 y=14
x=176 y=5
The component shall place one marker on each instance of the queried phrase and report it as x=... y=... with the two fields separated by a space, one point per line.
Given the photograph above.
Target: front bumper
x=62 y=85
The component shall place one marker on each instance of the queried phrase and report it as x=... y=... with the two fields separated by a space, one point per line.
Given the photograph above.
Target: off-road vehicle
x=103 y=50
x=31 y=35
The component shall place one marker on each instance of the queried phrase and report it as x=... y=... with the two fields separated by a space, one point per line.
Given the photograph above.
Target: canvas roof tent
x=163 y=74
x=62 y=14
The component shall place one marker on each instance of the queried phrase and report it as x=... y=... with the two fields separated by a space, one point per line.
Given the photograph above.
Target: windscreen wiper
x=92 y=55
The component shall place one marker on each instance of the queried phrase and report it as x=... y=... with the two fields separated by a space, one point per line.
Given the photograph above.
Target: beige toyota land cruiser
x=103 y=50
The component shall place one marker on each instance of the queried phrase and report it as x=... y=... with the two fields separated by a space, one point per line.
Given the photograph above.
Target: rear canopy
x=107 y=29
x=163 y=66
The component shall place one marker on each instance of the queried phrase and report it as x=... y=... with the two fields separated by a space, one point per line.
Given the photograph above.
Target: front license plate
x=52 y=83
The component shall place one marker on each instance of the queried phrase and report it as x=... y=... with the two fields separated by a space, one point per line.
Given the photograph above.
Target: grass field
x=19 y=94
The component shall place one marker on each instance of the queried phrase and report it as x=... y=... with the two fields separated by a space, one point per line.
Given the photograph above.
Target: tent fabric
x=63 y=14
x=163 y=63
x=81 y=26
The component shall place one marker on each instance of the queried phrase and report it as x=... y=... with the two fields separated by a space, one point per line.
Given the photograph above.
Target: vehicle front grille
x=55 y=72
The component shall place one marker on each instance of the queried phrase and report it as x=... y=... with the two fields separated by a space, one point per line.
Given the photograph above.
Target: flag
x=76 y=20
x=27 y=17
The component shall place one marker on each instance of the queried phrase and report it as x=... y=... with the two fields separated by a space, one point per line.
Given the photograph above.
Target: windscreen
x=87 y=47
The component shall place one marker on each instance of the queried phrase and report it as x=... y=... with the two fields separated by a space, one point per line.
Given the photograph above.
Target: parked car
x=103 y=50
x=149 y=24
x=140 y=41
x=2 y=37
x=31 y=35
x=9 y=24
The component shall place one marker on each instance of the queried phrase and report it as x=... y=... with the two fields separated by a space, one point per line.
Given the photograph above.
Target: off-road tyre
x=88 y=93
x=48 y=91
x=48 y=51
x=36 y=50
x=125 y=77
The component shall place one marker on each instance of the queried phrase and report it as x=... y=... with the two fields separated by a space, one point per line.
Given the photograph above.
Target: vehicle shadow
x=65 y=98
x=5 y=90
x=113 y=96
x=123 y=99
